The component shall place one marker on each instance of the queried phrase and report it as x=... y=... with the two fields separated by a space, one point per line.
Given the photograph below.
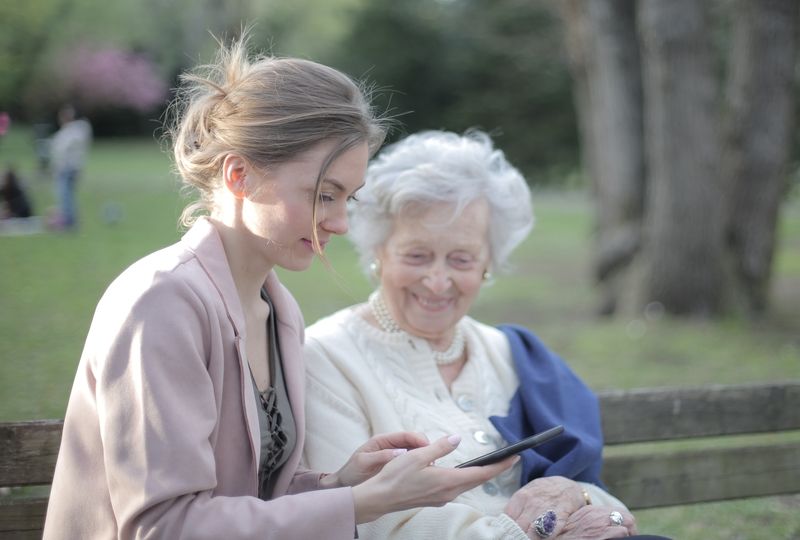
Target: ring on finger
x=616 y=518
x=545 y=524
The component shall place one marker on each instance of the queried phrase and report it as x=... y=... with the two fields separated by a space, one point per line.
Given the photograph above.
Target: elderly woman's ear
x=375 y=269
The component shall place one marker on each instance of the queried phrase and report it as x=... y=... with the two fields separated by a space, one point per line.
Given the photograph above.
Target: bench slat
x=708 y=474
x=28 y=452
x=22 y=519
x=657 y=414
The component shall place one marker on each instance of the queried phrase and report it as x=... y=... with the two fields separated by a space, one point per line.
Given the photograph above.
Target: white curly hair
x=439 y=166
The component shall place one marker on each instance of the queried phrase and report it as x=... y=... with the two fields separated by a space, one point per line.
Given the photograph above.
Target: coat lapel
x=204 y=241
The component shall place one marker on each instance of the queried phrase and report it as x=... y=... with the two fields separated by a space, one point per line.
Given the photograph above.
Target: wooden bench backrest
x=652 y=477
x=645 y=479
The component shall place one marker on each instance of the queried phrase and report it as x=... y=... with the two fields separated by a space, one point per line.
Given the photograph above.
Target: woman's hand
x=595 y=522
x=411 y=480
x=557 y=493
x=370 y=457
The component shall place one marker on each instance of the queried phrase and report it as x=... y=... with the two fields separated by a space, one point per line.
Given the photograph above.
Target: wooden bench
x=643 y=477
x=701 y=469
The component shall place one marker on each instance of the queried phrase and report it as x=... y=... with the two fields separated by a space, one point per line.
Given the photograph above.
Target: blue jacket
x=550 y=394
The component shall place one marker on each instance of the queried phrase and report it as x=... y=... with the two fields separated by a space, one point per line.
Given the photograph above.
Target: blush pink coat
x=161 y=431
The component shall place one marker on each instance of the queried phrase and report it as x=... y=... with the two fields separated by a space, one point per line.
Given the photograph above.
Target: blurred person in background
x=186 y=418
x=438 y=215
x=68 y=151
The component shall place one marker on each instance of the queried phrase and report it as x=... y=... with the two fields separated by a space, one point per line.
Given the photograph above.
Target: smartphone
x=511 y=449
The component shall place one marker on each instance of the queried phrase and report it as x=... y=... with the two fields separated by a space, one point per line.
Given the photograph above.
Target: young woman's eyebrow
x=339 y=186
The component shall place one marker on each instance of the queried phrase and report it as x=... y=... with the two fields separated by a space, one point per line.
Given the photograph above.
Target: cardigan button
x=482 y=437
x=465 y=403
x=490 y=489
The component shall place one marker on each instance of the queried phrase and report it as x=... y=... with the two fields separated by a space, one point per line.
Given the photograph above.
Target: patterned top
x=275 y=419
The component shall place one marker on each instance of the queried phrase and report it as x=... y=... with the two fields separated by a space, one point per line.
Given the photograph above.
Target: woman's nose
x=437 y=279
x=335 y=222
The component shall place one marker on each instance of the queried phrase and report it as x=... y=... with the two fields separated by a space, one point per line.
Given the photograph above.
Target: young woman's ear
x=234 y=175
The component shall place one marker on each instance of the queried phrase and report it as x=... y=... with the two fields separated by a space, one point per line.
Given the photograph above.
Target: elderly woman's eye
x=462 y=261
x=415 y=257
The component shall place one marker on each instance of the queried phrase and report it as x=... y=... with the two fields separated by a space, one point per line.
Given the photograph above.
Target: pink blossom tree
x=109 y=77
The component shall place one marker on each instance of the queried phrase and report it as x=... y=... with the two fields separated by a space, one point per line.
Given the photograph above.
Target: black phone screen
x=502 y=453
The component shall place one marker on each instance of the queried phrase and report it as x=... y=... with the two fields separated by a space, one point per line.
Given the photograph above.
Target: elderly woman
x=438 y=215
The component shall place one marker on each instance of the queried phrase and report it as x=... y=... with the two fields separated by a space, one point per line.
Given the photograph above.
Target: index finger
x=470 y=477
x=398 y=439
x=445 y=445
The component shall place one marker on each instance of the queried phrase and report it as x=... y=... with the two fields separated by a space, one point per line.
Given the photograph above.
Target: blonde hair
x=267 y=110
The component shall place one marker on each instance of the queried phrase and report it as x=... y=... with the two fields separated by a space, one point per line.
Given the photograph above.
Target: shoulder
x=488 y=336
x=160 y=307
x=531 y=355
x=521 y=338
x=333 y=327
x=166 y=284
x=332 y=343
x=172 y=266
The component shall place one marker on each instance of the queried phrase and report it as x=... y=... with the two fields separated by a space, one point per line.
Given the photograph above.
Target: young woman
x=186 y=418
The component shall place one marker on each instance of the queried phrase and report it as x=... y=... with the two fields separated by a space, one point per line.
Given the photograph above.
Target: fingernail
x=454 y=439
x=399 y=452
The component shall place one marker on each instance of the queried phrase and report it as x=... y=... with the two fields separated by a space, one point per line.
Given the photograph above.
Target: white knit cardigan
x=363 y=381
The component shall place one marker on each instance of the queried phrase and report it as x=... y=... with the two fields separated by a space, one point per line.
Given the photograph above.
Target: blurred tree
x=706 y=241
x=304 y=28
x=602 y=41
x=25 y=32
x=683 y=265
x=35 y=35
x=454 y=64
x=173 y=34
x=759 y=129
x=116 y=88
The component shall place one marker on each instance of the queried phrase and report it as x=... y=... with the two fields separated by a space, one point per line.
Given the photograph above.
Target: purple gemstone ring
x=545 y=524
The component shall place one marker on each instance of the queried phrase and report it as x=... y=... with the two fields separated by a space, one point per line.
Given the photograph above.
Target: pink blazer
x=161 y=431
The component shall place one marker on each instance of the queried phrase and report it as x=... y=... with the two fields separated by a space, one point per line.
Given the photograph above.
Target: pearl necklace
x=388 y=324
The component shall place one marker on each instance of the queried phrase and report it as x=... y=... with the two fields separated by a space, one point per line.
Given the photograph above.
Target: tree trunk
x=758 y=131
x=683 y=258
x=604 y=59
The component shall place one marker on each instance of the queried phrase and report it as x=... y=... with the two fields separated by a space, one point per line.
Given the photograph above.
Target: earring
x=487 y=276
x=375 y=268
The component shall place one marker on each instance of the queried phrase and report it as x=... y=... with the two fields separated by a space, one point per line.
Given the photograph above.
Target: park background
x=515 y=68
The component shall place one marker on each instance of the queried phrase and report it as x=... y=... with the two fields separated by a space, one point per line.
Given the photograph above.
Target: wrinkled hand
x=370 y=458
x=594 y=522
x=557 y=493
x=410 y=480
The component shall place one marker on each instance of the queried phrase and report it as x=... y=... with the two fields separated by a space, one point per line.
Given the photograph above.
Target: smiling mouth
x=433 y=304
x=310 y=244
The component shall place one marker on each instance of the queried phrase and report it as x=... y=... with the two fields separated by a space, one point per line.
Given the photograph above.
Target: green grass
x=51 y=283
